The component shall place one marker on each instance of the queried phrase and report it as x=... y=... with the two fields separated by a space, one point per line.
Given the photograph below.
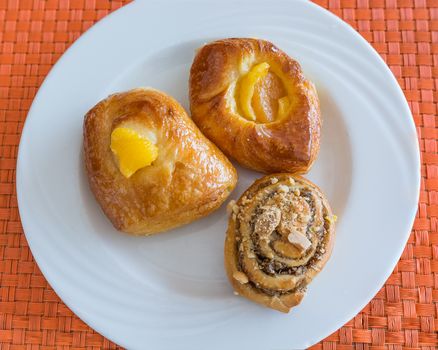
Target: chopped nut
x=297 y=192
x=267 y=221
x=245 y=200
x=315 y=229
x=304 y=218
x=240 y=277
x=331 y=219
x=274 y=180
x=270 y=268
x=230 y=206
x=299 y=240
x=283 y=189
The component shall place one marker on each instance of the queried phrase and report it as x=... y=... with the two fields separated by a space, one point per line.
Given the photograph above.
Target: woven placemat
x=403 y=315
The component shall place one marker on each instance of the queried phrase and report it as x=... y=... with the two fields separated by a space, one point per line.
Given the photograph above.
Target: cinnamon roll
x=280 y=235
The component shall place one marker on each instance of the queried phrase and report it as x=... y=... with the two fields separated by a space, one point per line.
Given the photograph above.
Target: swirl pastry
x=280 y=235
x=149 y=166
x=252 y=100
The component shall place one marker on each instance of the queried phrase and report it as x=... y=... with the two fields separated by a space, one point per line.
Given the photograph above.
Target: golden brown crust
x=262 y=260
x=287 y=145
x=189 y=179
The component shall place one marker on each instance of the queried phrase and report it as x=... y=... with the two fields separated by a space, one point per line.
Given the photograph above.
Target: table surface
x=403 y=315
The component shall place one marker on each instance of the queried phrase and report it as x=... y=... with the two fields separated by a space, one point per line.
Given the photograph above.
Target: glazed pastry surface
x=184 y=177
x=253 y=101
x=280 y=235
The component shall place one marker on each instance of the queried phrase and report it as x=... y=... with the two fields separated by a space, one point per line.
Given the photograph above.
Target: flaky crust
x=189 y=179
x=259 y=258
x=287 y=145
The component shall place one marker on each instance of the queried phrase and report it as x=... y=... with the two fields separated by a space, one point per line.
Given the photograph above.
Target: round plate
x=170 y=291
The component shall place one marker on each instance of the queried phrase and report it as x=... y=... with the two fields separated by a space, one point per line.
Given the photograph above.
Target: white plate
x=169 y=291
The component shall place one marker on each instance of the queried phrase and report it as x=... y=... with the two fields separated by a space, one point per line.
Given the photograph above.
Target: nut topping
x=299 y=240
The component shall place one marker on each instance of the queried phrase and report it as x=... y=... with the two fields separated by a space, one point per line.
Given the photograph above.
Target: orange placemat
x=403 y=315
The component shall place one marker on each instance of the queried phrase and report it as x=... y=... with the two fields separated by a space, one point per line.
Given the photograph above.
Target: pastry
x=252 y=100
x=280 y=235
x=149 y=166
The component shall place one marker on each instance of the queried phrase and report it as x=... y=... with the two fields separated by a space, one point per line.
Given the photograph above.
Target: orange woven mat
x=403 y=315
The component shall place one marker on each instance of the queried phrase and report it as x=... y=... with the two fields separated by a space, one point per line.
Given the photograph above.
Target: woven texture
x=403 y=315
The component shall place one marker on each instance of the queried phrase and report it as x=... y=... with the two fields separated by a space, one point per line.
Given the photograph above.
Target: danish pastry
x=253 y=101
x=149 y=166
x=280 y=235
